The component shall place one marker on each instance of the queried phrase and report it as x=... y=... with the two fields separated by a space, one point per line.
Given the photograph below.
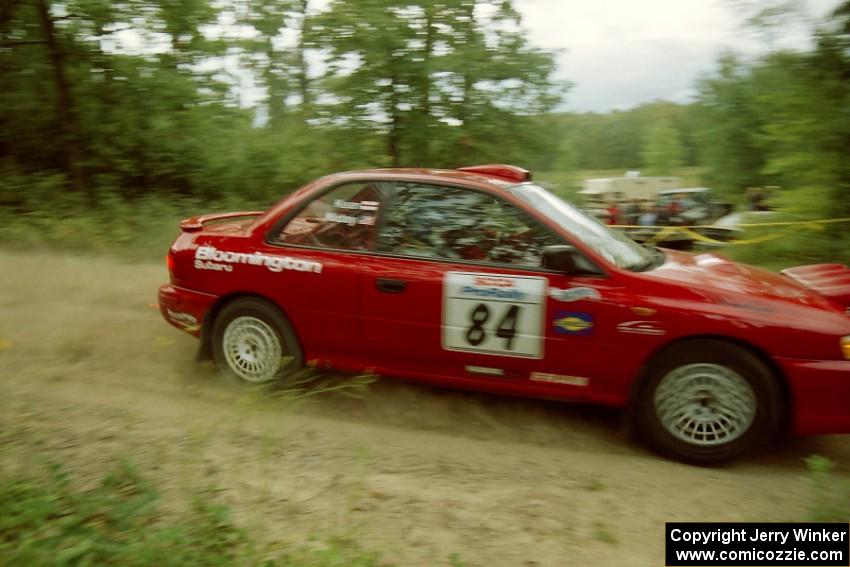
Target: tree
x=122 y=123
x=440 y=79
x=662 y=150
x=41 y=31
x=142 y=97
x=729 y=127
x=767 y=18
x=782 y=120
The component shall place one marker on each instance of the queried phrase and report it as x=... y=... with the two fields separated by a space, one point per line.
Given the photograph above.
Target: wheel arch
x=761 y=354
x=205 y=349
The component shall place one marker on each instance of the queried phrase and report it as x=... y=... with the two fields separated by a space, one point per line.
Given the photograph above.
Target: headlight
x=845 y=347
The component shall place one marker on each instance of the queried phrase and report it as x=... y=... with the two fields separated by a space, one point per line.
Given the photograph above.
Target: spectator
x=631 y=212
x=613 y=213
x=675 y=207
x=649 y=216
x=674 y=210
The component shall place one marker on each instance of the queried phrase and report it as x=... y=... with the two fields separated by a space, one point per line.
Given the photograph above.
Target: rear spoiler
x=829 y=280
x=194 y=224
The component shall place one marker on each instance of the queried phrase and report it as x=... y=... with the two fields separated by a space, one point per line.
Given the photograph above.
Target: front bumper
x=820 y=395
x=184 y=308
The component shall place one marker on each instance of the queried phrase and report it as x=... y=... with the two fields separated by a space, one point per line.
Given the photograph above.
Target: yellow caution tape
x=665 y=231
x=783 y=223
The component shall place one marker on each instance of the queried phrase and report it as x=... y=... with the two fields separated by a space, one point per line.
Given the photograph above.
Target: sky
x=621 y=53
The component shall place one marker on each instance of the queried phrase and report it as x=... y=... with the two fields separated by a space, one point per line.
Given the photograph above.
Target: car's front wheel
x=707 y=402
x=253 y=343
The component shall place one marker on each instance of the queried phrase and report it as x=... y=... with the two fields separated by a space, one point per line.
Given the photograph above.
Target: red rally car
x=477 y=278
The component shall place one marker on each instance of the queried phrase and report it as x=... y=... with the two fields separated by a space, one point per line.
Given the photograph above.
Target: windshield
x=611 y=245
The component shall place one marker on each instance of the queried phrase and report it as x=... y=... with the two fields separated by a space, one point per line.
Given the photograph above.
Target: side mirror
x=561 y=258
x=567 y=260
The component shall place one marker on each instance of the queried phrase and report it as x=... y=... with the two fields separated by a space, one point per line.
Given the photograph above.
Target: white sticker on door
x=494 y=314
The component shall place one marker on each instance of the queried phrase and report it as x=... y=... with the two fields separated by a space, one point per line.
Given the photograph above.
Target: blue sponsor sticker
x=486 y=292
x=573 y=323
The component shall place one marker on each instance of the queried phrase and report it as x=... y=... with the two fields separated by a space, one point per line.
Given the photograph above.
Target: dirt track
x=89 y=372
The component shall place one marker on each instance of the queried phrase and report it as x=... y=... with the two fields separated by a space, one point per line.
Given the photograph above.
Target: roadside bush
x=118 y=522
x=48 y=521
x=34 y=214
x=801 y=244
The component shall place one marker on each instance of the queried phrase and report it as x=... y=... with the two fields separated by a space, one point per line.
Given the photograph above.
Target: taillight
x=169 y=261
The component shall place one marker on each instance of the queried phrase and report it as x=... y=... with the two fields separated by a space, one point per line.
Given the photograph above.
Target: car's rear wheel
x=253 y=343
x=707 y=402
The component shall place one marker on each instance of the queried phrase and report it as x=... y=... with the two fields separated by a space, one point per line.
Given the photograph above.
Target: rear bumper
x=184 y=308
x=820 y=395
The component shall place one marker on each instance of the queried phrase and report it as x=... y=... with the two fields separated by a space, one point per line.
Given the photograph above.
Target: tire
x=708 y=402
x=253 y=343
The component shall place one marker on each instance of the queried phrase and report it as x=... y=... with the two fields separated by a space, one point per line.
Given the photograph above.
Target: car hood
x=729 y=282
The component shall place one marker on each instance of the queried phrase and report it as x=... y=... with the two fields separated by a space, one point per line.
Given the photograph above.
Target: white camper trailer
x=619 y=189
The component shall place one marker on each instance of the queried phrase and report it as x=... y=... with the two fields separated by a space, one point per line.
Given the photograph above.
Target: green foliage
x=727 y=131
x=140 y=230
x=602 y=532
x=617 y=140
x=662 y=151
x=119 y=521
x=443 y=84
x=800 y=244
x=781 y=120
x=830 y=495
x=456 y=561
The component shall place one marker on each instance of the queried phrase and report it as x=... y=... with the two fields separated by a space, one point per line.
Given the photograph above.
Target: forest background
x=106 y=143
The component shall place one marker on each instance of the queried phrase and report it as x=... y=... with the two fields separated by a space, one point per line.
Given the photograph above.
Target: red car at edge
x=478 y=278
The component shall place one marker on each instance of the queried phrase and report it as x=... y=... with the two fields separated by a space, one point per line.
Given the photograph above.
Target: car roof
x=444 y=175
x=493 y=177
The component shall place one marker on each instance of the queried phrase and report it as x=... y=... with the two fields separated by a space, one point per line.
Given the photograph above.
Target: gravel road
x=90 y=373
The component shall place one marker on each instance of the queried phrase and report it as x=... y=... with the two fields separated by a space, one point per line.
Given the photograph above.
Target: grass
x=50 y=520
x=830 y=501
x=172 y=515
x=143 y=229
x=456 y=561
x=594 y=485
x=47 y=520
x=603 y=533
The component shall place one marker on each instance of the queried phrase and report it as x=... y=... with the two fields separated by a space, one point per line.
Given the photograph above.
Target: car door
x=456 y=293
x=336 y=230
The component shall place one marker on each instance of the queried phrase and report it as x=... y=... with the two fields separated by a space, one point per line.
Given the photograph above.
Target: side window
x=345 y=217
x=453 y=223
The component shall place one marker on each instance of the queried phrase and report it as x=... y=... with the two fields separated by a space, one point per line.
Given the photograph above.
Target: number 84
x=506 y=329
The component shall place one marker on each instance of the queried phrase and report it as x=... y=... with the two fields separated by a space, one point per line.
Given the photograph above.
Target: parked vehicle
x=626 y=187
x=677 y=206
